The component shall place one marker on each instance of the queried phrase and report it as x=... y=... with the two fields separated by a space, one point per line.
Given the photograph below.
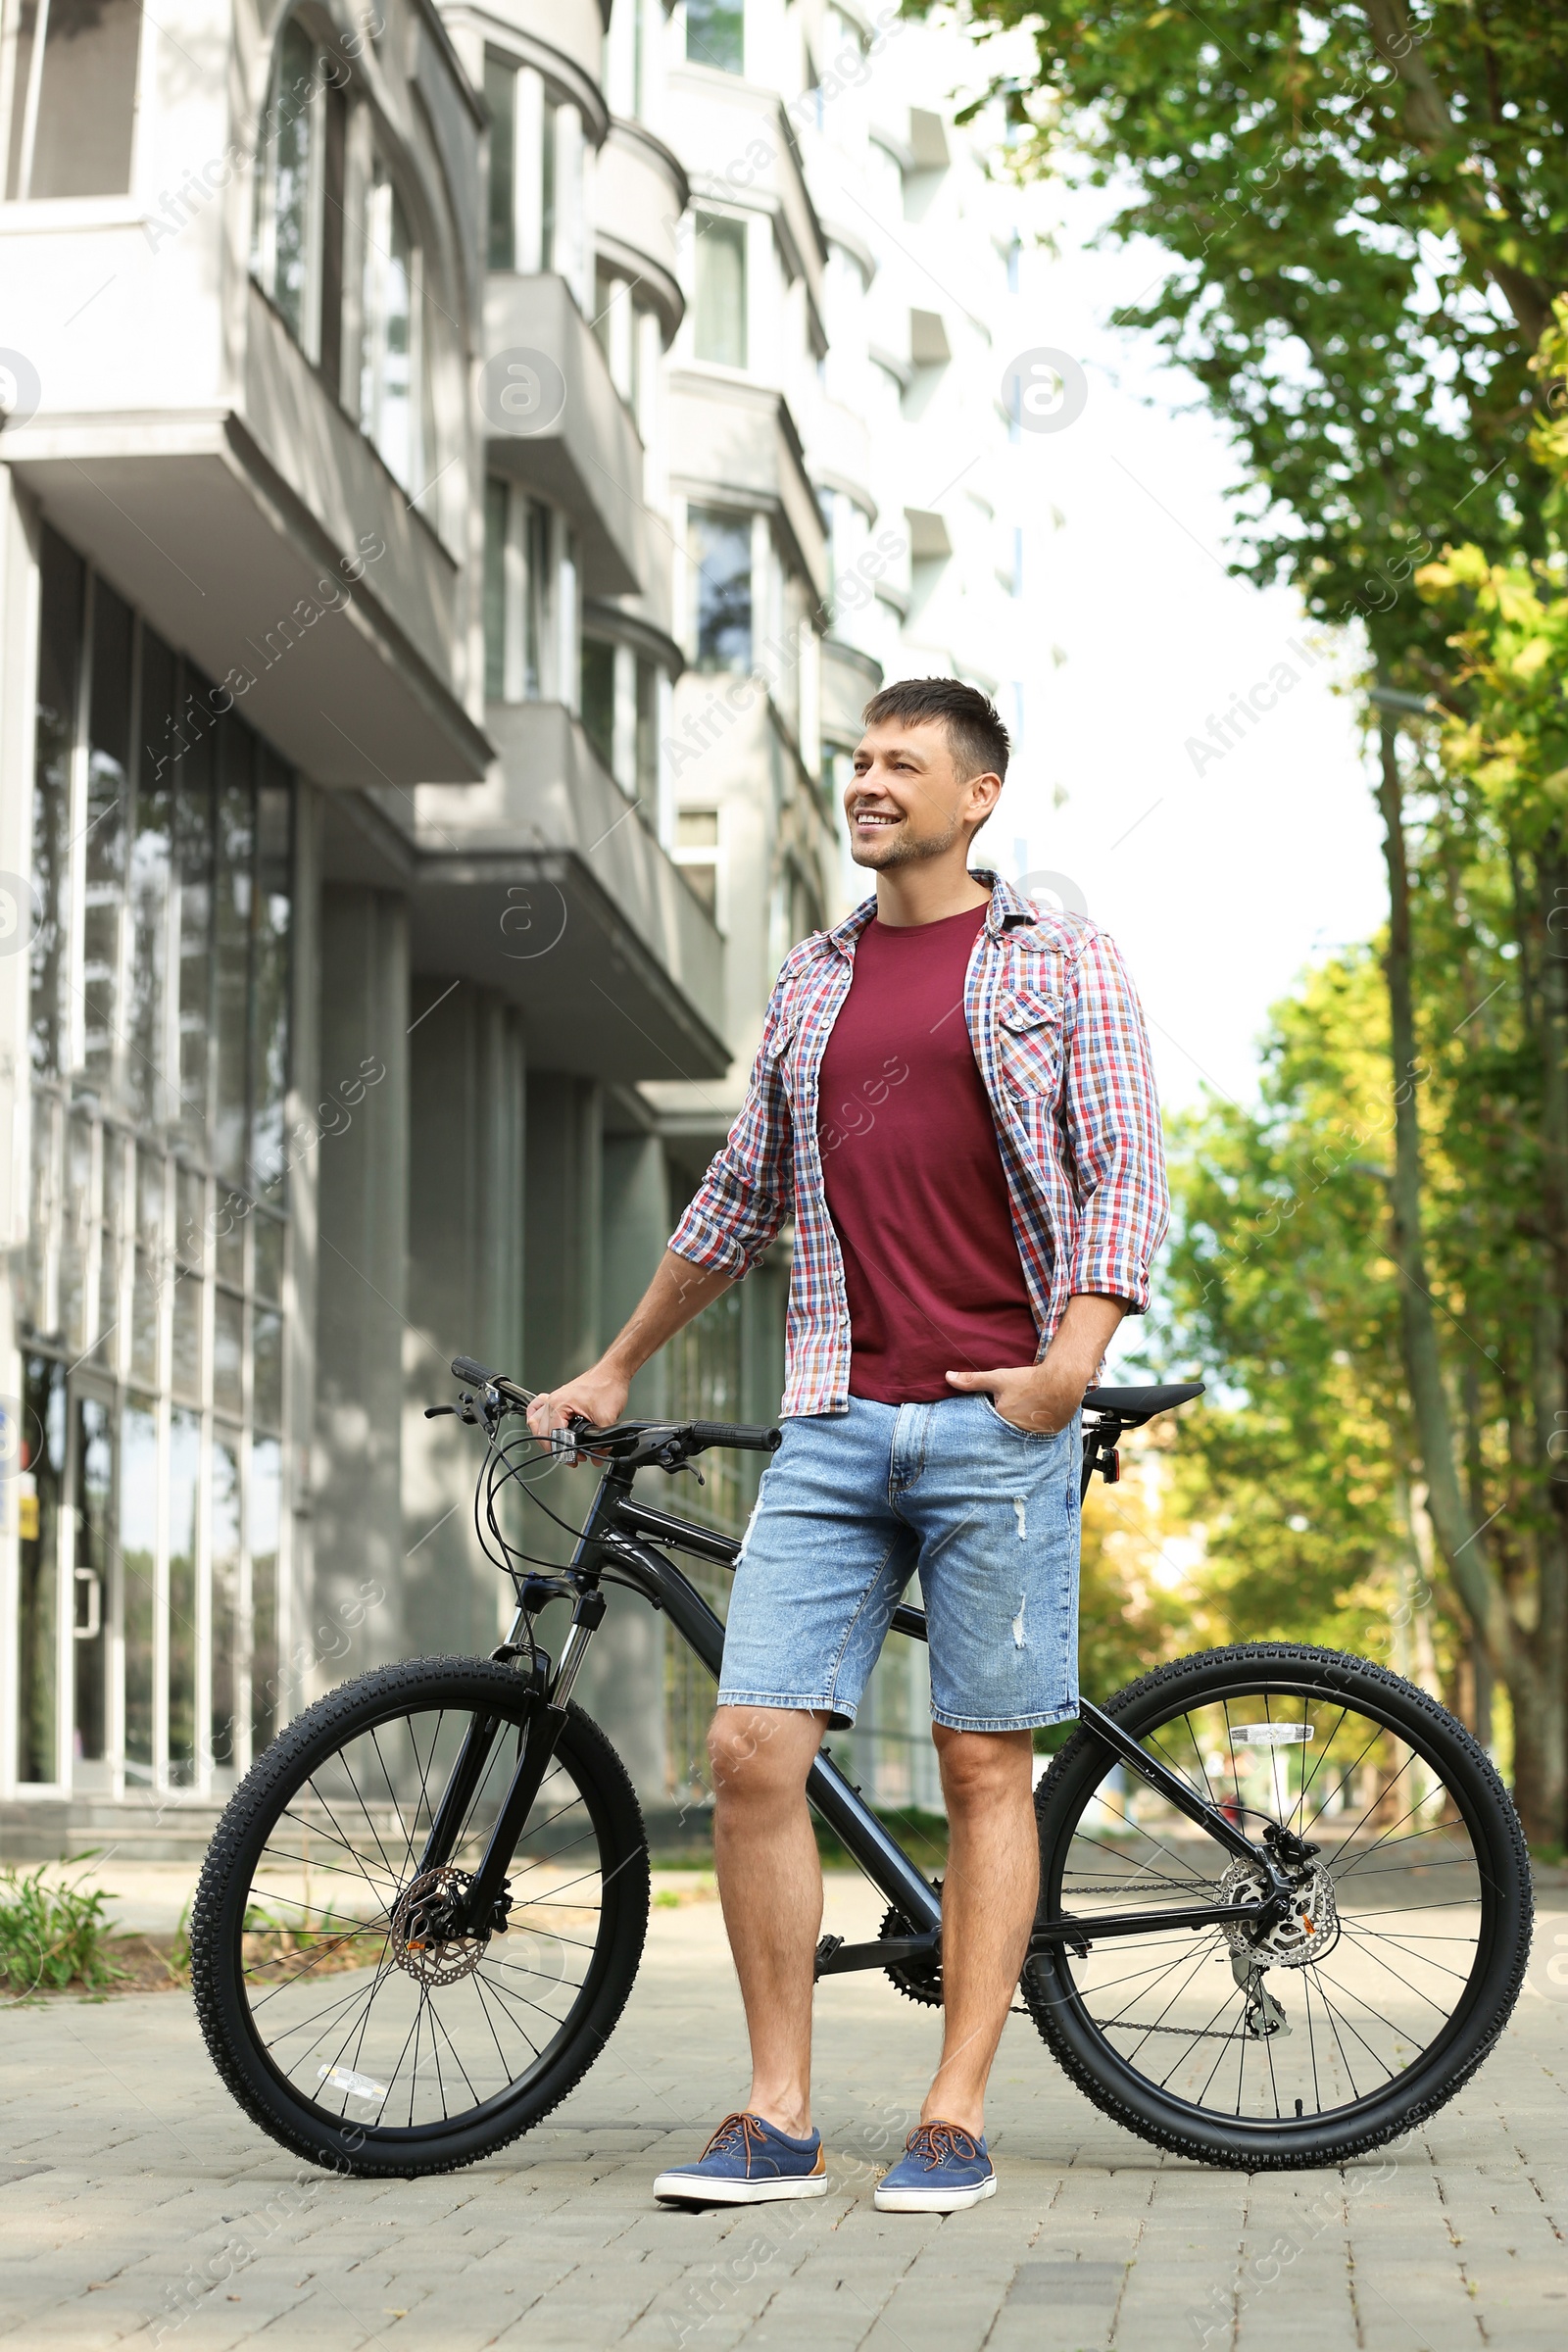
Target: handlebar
x=746 y=1438
x=666 y=1443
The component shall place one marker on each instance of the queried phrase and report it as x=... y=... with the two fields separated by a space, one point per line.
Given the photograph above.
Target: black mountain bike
x=1285 y=1899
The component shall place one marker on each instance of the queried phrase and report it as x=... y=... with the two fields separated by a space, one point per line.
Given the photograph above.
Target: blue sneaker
x=748 y=2162
x=942 y=2170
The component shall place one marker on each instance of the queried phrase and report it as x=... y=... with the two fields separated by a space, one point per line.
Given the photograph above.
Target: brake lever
x=433 y=1412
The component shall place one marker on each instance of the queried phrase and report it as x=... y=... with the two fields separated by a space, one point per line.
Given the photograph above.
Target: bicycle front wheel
x=343 y=2024
x=1325 y=2033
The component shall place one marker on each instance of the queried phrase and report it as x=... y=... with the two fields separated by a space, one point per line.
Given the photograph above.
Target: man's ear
x=983 y=793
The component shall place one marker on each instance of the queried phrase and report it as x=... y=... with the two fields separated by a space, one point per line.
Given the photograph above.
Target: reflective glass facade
x=152 y=1298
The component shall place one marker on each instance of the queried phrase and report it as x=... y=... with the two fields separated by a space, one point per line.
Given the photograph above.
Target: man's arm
x=678 y=1292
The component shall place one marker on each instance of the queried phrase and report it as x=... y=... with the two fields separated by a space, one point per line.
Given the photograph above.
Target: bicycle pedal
x=827 y=1950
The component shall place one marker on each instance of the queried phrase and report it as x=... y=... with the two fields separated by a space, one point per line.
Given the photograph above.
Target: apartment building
x=462 y=468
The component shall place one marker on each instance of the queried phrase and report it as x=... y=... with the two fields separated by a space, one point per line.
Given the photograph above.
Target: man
x=952 y=1095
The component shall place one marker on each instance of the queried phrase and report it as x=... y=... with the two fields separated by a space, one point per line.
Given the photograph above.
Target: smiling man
x=954 y=1097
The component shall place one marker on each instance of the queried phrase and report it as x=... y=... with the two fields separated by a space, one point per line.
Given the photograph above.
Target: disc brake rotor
x=424 y=1942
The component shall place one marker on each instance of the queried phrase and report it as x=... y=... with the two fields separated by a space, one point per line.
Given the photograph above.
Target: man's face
x=906 y=801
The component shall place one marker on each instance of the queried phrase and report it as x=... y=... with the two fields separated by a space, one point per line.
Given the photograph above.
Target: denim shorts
x=853 y=1504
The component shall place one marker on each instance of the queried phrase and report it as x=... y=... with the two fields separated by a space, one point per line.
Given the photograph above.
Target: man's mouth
x=877 y=816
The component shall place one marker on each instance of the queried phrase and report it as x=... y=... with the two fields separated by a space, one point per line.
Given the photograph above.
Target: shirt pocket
x=1029 y=1040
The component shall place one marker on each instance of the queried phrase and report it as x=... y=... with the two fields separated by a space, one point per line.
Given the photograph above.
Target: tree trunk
x=1461 y=1535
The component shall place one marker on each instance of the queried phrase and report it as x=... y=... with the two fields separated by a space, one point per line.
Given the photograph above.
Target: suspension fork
x=547 y=1719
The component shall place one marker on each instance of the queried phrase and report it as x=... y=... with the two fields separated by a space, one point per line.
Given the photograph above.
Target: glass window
x=185 y=1495
x=598 y=698
x=181 y=924
x=548 y=146
x=267 y=1348
x=231 y=944
x=138 y=1556
x=90 y=1596
x=501 y=97
x=295 y=191
x=715 y=34
x=646 y=742
x=721 y=558
x=389 y=362
x=62 y=590
x=105 y=828
x=721 y=323
x=73 y=99
x=264 y=1515
x=497 y=515
x=272 y=968
x=538 y=599
x=152 y=858
x=225 y=1526
x=38 y=1525
x=192 y=931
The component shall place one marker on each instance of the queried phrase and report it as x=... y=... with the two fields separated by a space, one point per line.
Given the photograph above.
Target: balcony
x=545 y=884
x=640 y=192
x=737 y=440
x=261 y=536
x=586 y=457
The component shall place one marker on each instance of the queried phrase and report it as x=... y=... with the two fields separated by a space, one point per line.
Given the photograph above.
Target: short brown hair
x=976 y=736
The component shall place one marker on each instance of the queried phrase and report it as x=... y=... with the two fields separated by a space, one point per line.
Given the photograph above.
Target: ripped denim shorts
x=853 y=1504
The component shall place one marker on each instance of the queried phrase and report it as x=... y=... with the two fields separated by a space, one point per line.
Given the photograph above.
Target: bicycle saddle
x=1134 y=1407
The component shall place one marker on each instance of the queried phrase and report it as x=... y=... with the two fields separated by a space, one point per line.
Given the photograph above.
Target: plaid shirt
x=1059 y=1040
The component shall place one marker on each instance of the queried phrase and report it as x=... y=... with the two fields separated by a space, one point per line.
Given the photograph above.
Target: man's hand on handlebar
x=598 y=1396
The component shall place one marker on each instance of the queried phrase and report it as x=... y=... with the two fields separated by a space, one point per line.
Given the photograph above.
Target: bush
x=52 y=1937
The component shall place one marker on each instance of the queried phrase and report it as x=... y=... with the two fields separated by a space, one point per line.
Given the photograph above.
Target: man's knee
x=980 y=1767
x=761 y=1751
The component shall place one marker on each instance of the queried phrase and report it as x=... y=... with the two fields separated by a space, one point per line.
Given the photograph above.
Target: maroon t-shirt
x=913 y=1172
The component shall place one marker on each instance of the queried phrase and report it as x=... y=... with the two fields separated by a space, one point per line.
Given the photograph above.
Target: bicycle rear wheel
x=333 y=2015
x=1325 y=2035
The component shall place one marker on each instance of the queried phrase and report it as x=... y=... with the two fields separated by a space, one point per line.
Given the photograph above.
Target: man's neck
x=927 y=894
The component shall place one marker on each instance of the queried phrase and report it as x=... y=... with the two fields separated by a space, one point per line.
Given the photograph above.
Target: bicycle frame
x=622 y=1536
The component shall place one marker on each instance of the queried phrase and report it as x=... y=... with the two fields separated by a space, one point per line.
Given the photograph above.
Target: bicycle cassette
x=1309 y=1929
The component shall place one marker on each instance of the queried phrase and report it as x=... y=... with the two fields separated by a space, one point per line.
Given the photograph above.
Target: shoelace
x=737 y=2134
x=937 y=2143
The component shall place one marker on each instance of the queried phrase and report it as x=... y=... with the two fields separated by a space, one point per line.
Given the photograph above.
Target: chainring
x=917 y=1979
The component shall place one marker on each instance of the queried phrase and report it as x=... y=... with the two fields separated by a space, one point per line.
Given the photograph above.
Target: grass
x=52 y=1937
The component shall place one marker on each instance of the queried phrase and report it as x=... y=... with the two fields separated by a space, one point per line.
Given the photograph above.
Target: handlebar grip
x=464 y=1367
x=746 y=1438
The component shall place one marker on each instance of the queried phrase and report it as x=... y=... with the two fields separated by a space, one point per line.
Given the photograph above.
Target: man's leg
x=770 y=1885
x=989 y=1897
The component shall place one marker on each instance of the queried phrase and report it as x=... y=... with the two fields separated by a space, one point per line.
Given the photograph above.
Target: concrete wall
x=466 y=1086
x=362 y=1203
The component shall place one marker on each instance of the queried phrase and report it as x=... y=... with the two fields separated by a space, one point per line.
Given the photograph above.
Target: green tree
x=1366 y=213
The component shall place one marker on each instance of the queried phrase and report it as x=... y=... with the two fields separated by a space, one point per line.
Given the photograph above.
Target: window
x=645 y=737
x=721 y=323
x=501 y=97
x=72 y=98
x=715 y=34
x=297 y=251
x=598 y=698
x=391 y=353
x=150 y=1298
x=536 y=204
x=721 y=558
x=517 y=598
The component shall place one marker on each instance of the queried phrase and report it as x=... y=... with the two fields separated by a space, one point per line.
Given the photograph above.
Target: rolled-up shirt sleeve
x=1110 y=1124
x=749 y=1188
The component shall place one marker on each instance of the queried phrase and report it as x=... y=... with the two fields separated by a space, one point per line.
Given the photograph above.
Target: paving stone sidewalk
x=135 y=2199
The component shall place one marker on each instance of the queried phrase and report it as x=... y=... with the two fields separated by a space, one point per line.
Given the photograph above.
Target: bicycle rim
x=1382 y=1991
x=366 y=2023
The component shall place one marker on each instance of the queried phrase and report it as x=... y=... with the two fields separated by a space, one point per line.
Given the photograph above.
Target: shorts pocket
x=1030 y=1437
